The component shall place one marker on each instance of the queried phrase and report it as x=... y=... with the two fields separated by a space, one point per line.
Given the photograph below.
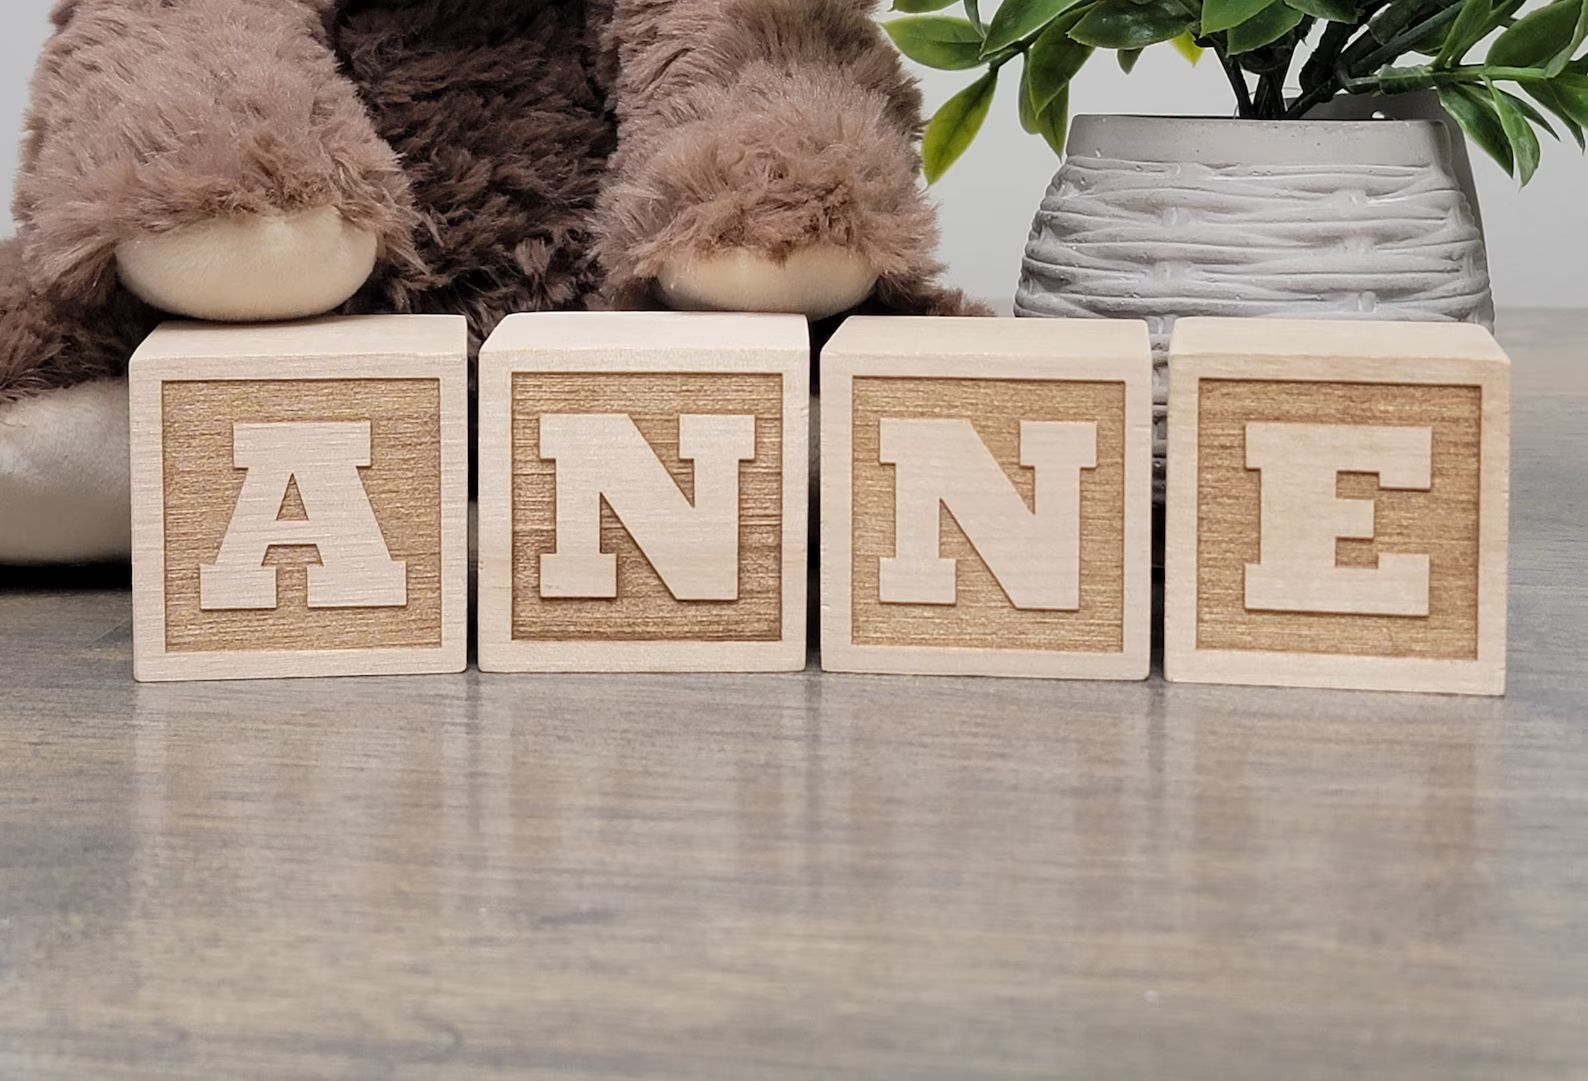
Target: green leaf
x=1028 y=108
x=973 y=13
x=1500 y=16
x=954 y=128
x=1267 y=26
x=1547 y=96
x=1052 y=62
x=916 y=7
x=1536 y=118
x=1575 y=85
x=1464 y=33
x=1335 y=11
x=1130 y=25
x=1535 y=38
x=945 y=42
x=1477 y=117
x=1524 y=144
x=1127 y=59
x=1571 y=91
x=1054 y=122
x=1019 y=19
x=1222 y=14
x=1186 y=45
x=1578 y=35
x=1565 y=95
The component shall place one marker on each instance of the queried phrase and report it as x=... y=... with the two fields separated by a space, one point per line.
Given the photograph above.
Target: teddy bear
x=253 y=160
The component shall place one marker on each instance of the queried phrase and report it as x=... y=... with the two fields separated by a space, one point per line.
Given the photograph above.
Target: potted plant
x=1362 y=47
x=1266 y=212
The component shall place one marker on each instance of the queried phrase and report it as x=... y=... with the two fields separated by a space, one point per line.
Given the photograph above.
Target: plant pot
x=1158 y=217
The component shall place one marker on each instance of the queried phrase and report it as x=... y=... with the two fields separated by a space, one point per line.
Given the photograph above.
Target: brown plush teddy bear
x=271 y=159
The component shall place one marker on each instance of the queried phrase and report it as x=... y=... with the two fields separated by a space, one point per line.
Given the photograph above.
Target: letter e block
x=643 y=491
x=300 y=499
x=1337 y=505
x=986 y=497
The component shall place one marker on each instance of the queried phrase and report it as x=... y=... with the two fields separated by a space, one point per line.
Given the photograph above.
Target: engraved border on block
x=661 y=343
x=1185 y=662
x=840 y=653
x=148 y=374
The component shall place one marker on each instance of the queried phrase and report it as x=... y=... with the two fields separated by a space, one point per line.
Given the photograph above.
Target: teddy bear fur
x=510 y=155
x=507 y=155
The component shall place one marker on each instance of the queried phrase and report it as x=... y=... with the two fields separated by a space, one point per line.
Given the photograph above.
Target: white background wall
x=1536 y=237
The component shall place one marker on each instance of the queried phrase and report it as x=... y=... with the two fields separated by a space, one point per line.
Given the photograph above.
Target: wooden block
x=300 y=499
x=643 y=489
x=987 y=498
x=1338 y=499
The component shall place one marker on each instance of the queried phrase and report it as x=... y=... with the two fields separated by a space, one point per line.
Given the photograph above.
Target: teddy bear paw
x=816 y=282
x=786 y=192
x=252 y=266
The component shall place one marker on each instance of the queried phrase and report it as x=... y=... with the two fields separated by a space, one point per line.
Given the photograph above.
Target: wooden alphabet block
x=300 y=499
x=1337 y=505
x=987 y=498
x=643 y=490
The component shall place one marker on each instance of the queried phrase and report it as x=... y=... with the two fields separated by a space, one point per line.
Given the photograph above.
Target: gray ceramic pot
x=1158 y=217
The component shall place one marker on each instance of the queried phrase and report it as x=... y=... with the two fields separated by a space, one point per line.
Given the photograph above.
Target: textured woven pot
x=1158 y=217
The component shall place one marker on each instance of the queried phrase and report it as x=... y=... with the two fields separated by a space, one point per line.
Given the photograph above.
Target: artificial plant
x=1345 y=46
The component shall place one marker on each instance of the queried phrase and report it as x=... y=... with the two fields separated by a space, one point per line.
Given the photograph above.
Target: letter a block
x=300 y=499
x=1337 y=505
x=643 y=488
x=986 y=498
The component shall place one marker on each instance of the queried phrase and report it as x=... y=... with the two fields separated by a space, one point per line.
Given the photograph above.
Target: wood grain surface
x=1441 y=523
x=650 y=369
x=401 y=381
x=964 y=497
x=1447 y=382
x=805 y=876
x=982 y=616
x=402 y=483
x=645 y=609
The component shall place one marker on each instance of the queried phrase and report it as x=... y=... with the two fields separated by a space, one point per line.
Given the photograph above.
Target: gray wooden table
x=806 y=876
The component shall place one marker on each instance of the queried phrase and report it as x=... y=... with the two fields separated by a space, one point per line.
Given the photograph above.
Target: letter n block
x=300 y=499
x=986 y=497
x=1337 y=505
x=643 y=491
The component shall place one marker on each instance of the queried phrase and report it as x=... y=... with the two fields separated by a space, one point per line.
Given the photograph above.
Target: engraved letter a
x=356 y=569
